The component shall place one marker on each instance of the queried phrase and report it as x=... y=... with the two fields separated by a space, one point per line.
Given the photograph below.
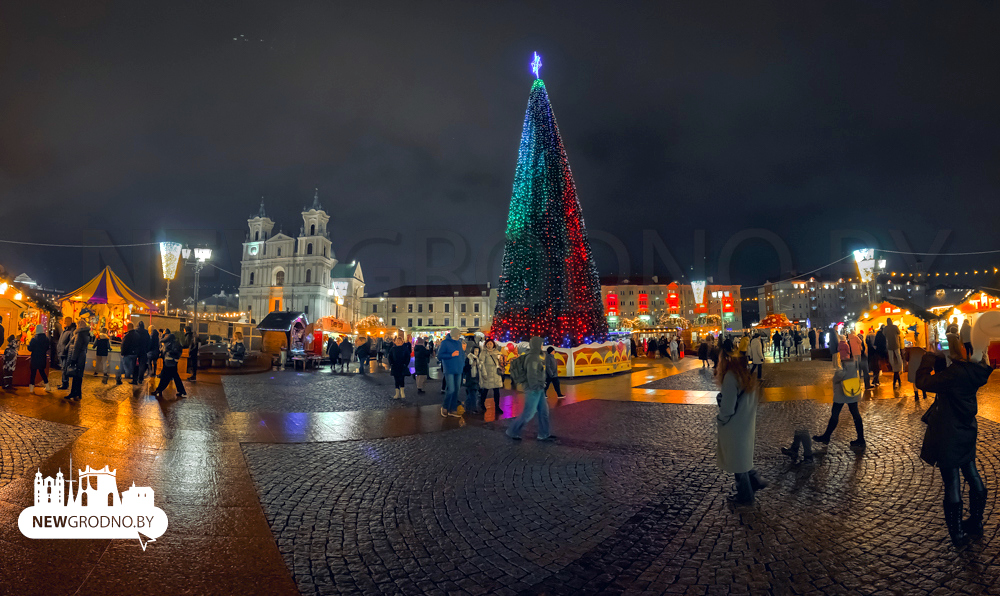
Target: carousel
x=107 y=303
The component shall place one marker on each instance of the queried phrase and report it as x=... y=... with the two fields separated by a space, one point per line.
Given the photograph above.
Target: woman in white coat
x=491 y=367
x=757 y=355
x=737 y=424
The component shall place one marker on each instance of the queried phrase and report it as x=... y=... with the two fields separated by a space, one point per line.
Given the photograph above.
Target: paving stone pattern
x=322 y=391
x=27 y=442
x=629 y=501
x=784 y=374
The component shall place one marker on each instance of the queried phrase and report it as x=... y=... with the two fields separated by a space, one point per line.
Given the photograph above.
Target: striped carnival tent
x=106 y=302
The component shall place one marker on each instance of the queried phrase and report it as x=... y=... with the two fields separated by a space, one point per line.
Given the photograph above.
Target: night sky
x=172 y=119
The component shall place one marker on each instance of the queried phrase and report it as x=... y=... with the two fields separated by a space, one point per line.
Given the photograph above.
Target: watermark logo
x=91 y=507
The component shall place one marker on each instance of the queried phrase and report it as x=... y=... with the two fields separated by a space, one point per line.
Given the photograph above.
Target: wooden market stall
x=21 y=310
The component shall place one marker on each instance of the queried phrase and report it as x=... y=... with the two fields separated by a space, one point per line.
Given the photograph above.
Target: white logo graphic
x=95 y=511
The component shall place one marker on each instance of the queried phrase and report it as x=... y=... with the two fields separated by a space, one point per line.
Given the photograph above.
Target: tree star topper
x=536 y=64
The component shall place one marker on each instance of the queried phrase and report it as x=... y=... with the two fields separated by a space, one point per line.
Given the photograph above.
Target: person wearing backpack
x=171 y=354
x=532 y=367
x=452 y=358
x=847 y=389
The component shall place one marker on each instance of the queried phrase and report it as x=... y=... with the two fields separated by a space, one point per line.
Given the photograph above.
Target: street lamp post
x=169 y=253
x=201 y=255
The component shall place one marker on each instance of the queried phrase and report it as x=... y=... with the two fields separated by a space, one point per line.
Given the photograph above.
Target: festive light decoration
x=536 y=65
x=549 y=286
x=170 y=253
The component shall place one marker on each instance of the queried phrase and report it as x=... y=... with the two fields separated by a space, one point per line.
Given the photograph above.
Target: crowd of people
x=954 y=376
x=142 y=350
x=462 y=362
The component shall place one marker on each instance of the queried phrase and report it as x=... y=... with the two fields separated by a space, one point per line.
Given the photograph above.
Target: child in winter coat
x=471 y=374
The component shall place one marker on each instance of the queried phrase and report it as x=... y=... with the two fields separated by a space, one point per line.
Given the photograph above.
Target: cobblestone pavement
x=628 y=501
x=26 y=443
x=321 y=391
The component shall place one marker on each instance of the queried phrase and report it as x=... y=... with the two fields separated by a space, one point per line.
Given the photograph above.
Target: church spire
x=316 y=204
x=261 y=212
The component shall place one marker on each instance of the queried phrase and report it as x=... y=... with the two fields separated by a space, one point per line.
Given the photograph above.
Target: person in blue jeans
x=534 y=395
x=452 y=358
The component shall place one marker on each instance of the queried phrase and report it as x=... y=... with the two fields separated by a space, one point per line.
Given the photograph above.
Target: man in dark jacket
x=78 y=359
x=128 y=352
x=363 y=352
x=346 y=353
x=952 y=432
x=171 y=354
x=193 y=344
x=153 y=354
x=39 y=349
x=333 y=353
x=552 y=372
x=63 y=348
x=534 y=395
x=812 y=339
x=141 y=351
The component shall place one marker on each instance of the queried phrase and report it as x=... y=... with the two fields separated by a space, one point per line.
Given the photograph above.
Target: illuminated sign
x=643 y=302
x=865 y=258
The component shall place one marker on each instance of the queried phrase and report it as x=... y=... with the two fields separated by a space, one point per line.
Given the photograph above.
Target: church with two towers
x=280 y=273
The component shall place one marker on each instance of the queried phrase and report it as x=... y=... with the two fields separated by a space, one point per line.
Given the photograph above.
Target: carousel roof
x=108 y=288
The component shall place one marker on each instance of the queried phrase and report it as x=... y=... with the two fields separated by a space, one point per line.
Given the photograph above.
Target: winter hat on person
x=456 y=333
x=39 y=329
x=535 y=346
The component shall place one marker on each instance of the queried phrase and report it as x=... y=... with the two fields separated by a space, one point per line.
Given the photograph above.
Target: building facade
x=281 y=273
x=822 y=303
x=647 y=298
x=432 y=308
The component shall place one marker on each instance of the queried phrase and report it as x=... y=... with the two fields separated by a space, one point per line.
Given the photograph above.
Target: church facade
x=280 y=273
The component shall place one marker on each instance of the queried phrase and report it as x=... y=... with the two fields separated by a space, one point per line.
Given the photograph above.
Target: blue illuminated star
x=536 y=64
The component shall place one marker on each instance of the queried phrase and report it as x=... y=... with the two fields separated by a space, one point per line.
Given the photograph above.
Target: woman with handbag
x=491 y=375
x=737 y=424
x=952 y=432
x=847 y=389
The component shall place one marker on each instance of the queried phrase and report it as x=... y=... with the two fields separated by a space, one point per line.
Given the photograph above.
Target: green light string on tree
x=549 y=286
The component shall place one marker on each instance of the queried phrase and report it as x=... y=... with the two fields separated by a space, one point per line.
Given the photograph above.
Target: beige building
x=638 y=296
x=431 y=308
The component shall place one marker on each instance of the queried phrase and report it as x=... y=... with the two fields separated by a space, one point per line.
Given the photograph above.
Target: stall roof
x=282 y=321
x=917 y=311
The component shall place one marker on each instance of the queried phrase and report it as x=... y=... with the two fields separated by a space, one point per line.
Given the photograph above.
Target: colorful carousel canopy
x=108 y=288
x=775 y=320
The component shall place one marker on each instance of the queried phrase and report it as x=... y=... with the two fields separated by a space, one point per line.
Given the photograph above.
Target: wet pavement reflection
x=189 y=451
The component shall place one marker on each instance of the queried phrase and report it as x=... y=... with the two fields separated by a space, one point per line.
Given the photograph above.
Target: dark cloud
x=796 y=117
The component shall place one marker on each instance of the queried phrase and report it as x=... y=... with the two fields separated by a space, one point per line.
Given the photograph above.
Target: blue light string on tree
x=549 y=285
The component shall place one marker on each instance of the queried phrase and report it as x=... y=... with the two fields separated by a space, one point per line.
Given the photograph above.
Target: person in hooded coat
x=421 y=363
x=848 y=370
x=651 y=347
x=39 y=349
x=364 y=352
x=470 y=373
x=966 y=333
x=491 y=367
x=874 y=364
x=78 y=359
x=346 y=354
x=736 y=424
x=534 y=395
x=952 y=432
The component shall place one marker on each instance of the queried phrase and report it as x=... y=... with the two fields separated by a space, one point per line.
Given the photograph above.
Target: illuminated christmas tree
x=549 y=286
